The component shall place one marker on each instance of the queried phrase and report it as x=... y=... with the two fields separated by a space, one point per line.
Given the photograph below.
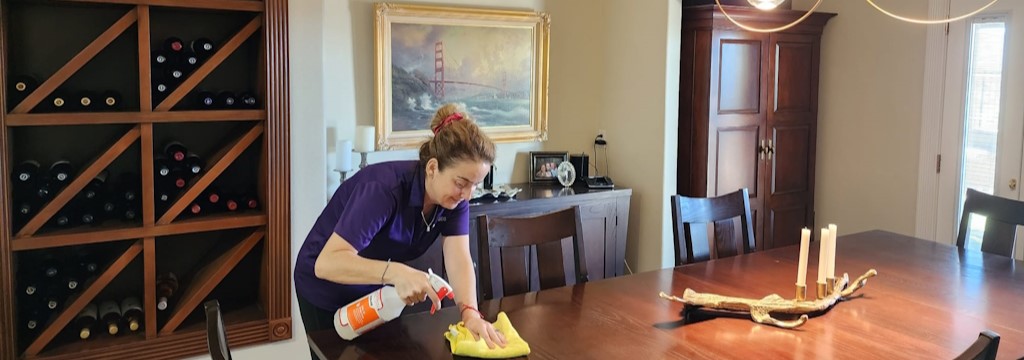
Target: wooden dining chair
x=216 y=339
x=1002 y=217
x=530 y=251
x=983 y=349
x=724 y=240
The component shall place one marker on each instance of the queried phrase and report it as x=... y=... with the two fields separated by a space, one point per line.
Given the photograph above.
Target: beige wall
x=869 y=116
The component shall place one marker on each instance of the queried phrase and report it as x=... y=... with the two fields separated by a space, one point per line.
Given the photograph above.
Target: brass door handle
x=761 y=149
x=770 y=149
x=1013 y=184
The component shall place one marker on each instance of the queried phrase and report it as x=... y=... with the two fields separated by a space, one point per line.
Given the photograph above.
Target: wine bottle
x=85 y=322
x=87 y=101
x=53 y=295
x=72 y=283
x=195 y=209
x=96 y=186
x=25 y=174
x=129 y=186
x=161 y=88
x=212 y=197
x=65 y=217
x=174 y=74
x=58 y=102
x=129 y=212
x=161 y=59
x=34 y=318
x=203 y=47
x=193 y=165
x=166 y=286
x=178 y=178
x=61 y=171
x=88 y=216
x=248 y=100
x=173 y=45
x=30 y=288
x=25 y=208
x=108 y=208
x=206 y=100
x=226 y=100
x=175 y=151
x=50 y=269
x=110 y=100
x=110 y=314
x=131 y=313
x=162 y=167
x=250 y=202
x=231 y=203
x=87 y=265
x=22 y=85
x=45 y=191
x=188 y=60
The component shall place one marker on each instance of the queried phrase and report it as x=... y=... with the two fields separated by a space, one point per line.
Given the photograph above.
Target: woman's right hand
x=412 y=285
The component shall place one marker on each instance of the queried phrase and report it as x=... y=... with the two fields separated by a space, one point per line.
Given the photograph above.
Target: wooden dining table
x=928 y=301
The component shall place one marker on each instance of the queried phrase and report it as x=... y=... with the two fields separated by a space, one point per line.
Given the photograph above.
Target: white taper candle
x=832 y=250
x=801 y=272
x=822 y=255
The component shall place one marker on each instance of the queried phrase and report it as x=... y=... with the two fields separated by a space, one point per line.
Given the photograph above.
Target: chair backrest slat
x=1002 y=218
x=528 y=243
x=691 y=214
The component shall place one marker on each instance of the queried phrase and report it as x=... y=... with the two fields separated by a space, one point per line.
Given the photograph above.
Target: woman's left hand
x=480 y=328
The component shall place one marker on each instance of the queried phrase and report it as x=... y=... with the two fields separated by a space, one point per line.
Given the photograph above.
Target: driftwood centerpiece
x=761 y=309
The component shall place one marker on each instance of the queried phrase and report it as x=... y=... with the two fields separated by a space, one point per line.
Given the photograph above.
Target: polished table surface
x=929 y=301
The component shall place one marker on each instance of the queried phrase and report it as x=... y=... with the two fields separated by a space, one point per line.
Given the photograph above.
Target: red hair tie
x=448 y=120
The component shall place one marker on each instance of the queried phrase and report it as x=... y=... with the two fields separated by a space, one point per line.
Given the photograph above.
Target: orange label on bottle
x=361 y=314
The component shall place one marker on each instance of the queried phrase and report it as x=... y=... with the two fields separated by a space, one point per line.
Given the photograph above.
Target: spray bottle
x=379 y=307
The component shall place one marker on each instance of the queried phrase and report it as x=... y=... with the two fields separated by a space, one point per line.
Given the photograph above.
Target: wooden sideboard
x=605 y=220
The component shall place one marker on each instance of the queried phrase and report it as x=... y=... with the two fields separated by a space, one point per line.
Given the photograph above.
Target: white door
x=982 y=112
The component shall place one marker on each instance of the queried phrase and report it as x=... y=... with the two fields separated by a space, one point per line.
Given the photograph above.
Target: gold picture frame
x=492 y=62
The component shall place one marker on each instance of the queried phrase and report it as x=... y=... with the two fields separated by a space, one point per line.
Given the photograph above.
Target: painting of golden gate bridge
x=488 y=70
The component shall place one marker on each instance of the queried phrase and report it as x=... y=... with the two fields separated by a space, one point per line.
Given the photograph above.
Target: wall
x=641 y=115
x=869 y=116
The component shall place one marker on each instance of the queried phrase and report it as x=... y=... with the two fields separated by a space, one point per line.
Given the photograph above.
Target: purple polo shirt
x=378 y=211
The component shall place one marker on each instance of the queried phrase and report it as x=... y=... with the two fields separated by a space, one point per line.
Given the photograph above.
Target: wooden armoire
x=748 y=113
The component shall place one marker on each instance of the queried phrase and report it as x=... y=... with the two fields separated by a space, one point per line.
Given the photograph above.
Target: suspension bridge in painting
x=439 y=82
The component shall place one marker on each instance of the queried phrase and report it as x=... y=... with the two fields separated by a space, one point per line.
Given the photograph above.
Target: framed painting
x=493 y=63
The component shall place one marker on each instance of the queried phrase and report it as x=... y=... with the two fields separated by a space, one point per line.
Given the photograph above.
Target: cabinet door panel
x=793 y=82
x=791 y=160
x=739 y=79
x=737 y=160
x=792 y=128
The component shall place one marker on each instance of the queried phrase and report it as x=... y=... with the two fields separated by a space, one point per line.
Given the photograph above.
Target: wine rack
x=78 y=86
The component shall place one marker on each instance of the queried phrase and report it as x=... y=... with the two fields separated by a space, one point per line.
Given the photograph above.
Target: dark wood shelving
x=79 y=183
x=237 y=5
x=76 y=63
x=74 y=307
x=225 y=157
x=218 y=57
x=121 y=231
x=207 y=278
x=268 y=316
x=99 y=118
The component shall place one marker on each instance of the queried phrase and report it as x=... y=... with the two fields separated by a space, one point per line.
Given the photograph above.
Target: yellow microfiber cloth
x=463 y=344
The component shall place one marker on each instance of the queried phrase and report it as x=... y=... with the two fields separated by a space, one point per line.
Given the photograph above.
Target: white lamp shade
x=365 y=138
x=344 y=155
